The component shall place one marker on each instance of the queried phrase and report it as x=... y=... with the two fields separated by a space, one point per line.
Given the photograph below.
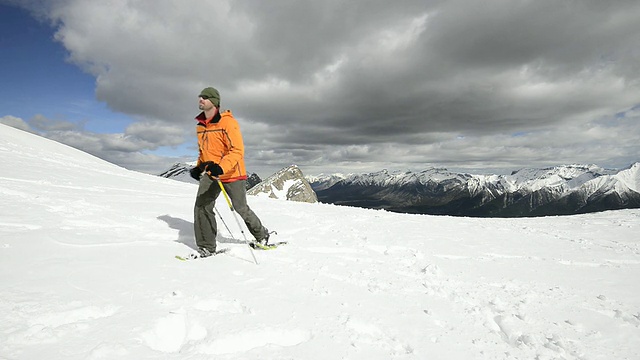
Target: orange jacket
x=220 y=141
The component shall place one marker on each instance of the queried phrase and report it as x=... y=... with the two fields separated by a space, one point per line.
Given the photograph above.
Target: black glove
x=195 y=173
x=213 y=168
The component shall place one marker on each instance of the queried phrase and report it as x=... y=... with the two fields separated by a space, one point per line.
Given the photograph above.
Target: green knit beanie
x=211 y=94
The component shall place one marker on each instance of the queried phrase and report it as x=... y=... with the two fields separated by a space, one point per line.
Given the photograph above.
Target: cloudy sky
x=332 y=86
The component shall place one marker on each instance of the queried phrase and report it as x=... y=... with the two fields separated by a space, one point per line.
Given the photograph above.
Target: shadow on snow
x=186 y=234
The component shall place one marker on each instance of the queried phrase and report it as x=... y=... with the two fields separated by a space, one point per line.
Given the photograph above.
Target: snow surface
x=88 y=271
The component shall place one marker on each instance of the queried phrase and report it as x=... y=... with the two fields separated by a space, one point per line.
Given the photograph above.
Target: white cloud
x=15 y=122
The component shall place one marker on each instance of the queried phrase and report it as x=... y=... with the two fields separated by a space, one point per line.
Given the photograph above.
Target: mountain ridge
x=558 y=190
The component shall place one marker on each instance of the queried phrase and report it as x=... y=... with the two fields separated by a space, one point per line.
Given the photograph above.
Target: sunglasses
x=205 y=97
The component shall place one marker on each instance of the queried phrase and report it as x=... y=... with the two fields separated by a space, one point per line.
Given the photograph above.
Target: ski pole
x=233 y=211
x=224 y=222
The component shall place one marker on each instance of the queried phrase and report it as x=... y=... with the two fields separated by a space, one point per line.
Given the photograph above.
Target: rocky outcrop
x=287 y=184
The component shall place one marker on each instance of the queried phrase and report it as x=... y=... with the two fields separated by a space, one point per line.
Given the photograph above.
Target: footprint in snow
x=221 y=306
x=365 y=332
x=171 y=332
x=108 y=351
x=247 y=340
x=51 y=327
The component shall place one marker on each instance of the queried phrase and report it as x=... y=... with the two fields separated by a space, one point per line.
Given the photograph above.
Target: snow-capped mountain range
x=560 y=190
x=180 y=172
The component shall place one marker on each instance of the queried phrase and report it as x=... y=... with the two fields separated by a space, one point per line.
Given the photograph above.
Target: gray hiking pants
x=204 y=223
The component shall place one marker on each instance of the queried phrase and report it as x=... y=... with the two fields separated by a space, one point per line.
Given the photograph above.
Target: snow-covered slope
x=88 y=271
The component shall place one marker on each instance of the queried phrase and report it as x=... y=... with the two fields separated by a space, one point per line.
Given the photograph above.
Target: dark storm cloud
x=422 y=82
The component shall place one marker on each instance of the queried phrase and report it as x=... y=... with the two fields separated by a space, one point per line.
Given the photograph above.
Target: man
x=221 y=157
